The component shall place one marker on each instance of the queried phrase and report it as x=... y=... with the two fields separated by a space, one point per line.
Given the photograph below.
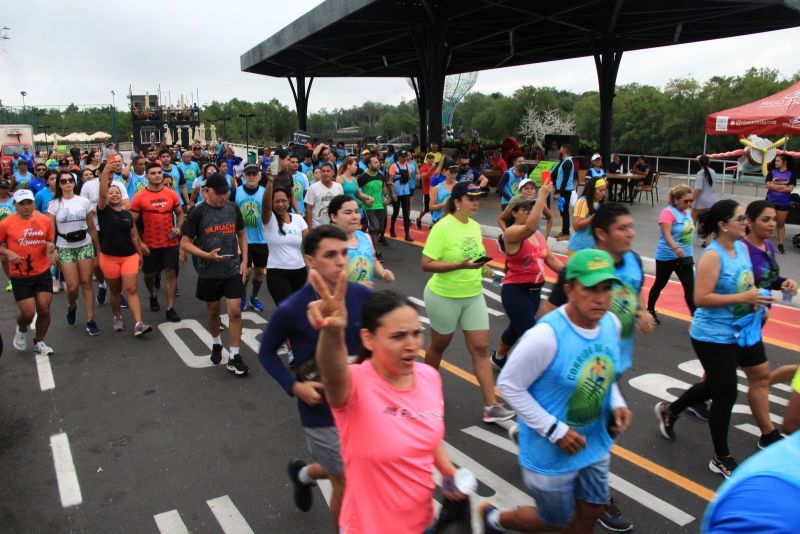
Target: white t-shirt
x=91 y=191
x=70 y=217
x=319 y=197
x=285 y=251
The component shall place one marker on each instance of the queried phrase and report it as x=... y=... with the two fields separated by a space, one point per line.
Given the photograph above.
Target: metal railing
x=672 y=165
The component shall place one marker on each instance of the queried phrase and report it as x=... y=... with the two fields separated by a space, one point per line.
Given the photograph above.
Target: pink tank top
x=525 y=267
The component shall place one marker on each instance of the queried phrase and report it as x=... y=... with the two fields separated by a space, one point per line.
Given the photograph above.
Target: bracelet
x=552 y=429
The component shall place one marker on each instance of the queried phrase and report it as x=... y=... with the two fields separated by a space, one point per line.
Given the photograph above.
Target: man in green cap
x=561 y=381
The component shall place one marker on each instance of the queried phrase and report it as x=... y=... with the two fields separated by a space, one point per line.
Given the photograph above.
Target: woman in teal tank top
x=362 y=267
x=440 y=193
x=347 y=178
x=724 y=293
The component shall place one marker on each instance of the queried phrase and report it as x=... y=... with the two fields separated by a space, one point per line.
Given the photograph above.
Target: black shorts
x=160 y=259
x=26 y=288
x=751 y=356
x=376 y=219
x=213 y=289
x=782 y=207
x=257 y=255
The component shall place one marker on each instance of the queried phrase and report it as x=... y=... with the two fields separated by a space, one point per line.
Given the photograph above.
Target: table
x=618 y=186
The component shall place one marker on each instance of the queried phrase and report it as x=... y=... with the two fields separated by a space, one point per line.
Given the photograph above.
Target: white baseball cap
x=23 y=194
x=596 y=156
x=524 y=182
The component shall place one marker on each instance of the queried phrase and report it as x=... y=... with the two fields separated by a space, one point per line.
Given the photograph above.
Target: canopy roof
x=377 y=37
x=778 y=114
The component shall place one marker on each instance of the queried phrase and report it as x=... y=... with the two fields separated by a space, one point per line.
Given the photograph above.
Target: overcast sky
x=78 y=52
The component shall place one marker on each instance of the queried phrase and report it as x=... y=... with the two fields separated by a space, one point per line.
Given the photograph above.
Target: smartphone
x=172 y=234
x=226 y=255
x=483 y=259
x=273 y=164
x=546 y=177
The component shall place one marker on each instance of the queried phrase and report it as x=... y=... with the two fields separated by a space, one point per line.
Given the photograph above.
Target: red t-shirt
x=156 y=212
x=29 y=240
x=426 y=169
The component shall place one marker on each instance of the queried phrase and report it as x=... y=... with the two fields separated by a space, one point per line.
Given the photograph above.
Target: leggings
x=719 y=362
x=565 y=227
x=283 y=282
x=682 y=267
x=403 y=201
x=521 y=302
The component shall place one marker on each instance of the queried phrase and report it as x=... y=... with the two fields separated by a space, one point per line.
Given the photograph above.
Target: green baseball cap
x=591 y=266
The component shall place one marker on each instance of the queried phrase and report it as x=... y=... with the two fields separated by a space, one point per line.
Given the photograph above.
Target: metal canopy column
x=419 y=92
x=607 y=55
x=300 y=94
x=433 y=53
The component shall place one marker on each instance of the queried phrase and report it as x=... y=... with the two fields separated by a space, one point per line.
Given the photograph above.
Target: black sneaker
x=154 y=306
x=701 y=410
x=383 y=241
x=612 y=519
x=781 y=250
x=91 y=327
x=101 y=294
x=409 y=239
x=392 y=234
x=768 y=439
x=498 y=362
x=123 y=302
x=172 y=316
x=303 y=496
x=71 y=311
x=419 y=223
x=666 y=421
x=656 y=320
x=723 y=466
x=237 y=366
x=216 y=353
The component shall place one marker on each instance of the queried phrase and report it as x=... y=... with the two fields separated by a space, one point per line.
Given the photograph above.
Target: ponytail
x=706 y=170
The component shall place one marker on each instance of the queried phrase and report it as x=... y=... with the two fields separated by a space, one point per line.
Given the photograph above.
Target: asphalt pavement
x=118 y=434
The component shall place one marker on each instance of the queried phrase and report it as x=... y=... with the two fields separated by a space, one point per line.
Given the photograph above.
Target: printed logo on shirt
x=623 y=305
x=744 y=282
x=593 y=372
x=360 y=269
x=251 y=213
x=5 y=211
x=405 y=413
x=226 y=228
x=686 y=233
x=158 y=203
x=471 y=247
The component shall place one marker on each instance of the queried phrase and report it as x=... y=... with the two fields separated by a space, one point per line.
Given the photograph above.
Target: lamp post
x=24 y=94
x=247 y=116
x=113 y=116
x=44 y=128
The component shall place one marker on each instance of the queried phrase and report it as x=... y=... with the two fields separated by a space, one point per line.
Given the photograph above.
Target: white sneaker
x=56 y=285
x=40 y=349
x=283 y=350
x=20 y=339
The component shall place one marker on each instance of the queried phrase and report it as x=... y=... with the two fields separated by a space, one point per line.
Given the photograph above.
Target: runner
x=191 y=171
x=527 y=189
x=6 y=200
x=675 y=249
x=468 y=175
x=509 y=183
x=77 y=236
x=178 y=180
x=347 y=179
x=120 y=250
x=724 y=294
x=780 y=184
x=526 y=251
x=319 y=196
x=215 y=234
x=392 y=485
x=326 y=253
x=26 y=245
x=426 y=172
x=136 y=176
x=197 y=186
x=299 y=185
x=374 y=185
x=44 y=196
x=362 y=267
x=562 y=380
x=440 y=194
x=594 y=193
x=401 y=175
x=249 y=200
x=159 y=211
x=454 y=294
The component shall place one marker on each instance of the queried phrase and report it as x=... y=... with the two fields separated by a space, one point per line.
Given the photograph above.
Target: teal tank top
x=361 y=266
x=625 y=302
x=441 y=196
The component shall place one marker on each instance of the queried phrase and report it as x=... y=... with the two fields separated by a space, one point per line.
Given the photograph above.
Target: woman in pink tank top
x=389 y=410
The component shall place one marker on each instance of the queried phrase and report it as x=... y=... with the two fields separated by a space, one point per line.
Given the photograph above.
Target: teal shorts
x=446 y=313
x=67 y=255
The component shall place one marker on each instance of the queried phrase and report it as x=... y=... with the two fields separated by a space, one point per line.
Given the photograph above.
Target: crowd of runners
x=310 y=223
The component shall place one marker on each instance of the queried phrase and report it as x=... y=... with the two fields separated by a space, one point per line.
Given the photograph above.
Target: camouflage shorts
x=67 y=255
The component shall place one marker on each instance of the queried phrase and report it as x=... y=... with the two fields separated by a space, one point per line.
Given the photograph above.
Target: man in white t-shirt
x=319 y=195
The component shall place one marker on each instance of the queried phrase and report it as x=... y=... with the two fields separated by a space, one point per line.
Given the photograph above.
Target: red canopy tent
x=778 y=114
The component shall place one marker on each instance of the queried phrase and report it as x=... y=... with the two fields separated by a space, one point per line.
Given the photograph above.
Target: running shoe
x=172 y=316
x=781 y=250
x=392 y=234
x=303 y=496
x=256 y=304
x=56 y=285
x=9 y=287
x=612 y=519
x=723 y=466
x=71 y=311
x=768 y=439
x=154 y=305
x=178 y=292
x=91 y=327
x=101 y=294
x=141 y=329
x=498 y=362
x=513 y=433
x=243 y=302
x=123 y=302
x=496 y=413
x=40 y=349
x=666 y=421
x=701 y=410
x=118 y=325
x=484 y=509
x=20 y=339
x=419 y=223
x=383 y=241
x=237 y=366
x=283 y=350
x=216 y=353
x=656 y=320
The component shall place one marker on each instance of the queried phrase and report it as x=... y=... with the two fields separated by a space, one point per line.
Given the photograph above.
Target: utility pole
x=247 y=116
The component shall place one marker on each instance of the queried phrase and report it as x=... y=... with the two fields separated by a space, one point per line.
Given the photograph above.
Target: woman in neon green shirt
x=454 y=294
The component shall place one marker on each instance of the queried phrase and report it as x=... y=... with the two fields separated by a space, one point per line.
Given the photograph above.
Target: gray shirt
x=209 y=228
x=707 y=196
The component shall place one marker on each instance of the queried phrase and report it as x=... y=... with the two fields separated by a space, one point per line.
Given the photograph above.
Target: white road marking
x=694 y=367
x=228 y=516
x=45 y=373
x=195 y=361
x=170 y=523
x=67 y=478
x=636 y=493
x=327 y=490
x=492 y=295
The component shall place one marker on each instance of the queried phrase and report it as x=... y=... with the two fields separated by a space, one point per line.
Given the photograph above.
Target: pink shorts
x=114 y=267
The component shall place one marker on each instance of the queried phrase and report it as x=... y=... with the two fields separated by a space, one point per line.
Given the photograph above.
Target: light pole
x=247 y=116
x=113 y=116
x=24 y=94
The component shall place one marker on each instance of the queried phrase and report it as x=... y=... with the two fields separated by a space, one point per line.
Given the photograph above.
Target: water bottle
x=465 y=481
x=497 y=278
x=787 y=294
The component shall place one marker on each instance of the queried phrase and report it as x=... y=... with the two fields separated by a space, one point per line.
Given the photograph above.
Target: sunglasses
x=66 y=181
x=739 y=219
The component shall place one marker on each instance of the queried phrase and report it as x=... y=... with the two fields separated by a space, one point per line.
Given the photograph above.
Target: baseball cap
x=591 y=266
x=430 y=155
x=524 y=182
x=217 y=182
x=365 y=152
x=22 y=195
x=596 y=156
x=251 y=168
x=465 y=188
x=518 y=201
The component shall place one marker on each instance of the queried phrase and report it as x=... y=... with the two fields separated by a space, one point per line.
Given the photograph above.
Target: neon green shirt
x=796 y=381
x=452 y=241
